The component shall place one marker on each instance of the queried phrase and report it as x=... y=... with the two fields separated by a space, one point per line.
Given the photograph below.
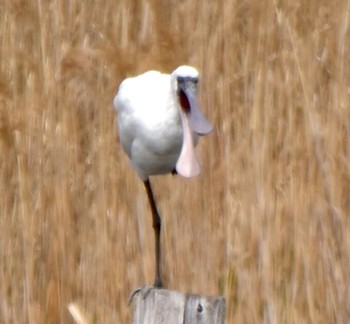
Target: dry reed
x=267 y=223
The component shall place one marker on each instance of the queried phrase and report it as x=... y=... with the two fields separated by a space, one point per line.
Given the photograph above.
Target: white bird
x=159 y=121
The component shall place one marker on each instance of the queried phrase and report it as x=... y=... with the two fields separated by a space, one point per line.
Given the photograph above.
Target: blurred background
x=266 y=225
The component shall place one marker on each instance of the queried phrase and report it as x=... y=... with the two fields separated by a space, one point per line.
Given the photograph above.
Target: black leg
x=156 y=227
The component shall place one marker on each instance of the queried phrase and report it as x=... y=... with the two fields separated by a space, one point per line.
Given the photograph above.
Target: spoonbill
x=159 y=122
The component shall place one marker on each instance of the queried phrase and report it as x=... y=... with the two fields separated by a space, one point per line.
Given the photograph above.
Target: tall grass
x=266 y=224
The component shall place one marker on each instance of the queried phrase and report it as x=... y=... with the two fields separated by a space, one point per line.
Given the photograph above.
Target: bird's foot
x=144 y=291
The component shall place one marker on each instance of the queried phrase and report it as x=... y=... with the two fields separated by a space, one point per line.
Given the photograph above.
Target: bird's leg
x=156 y=227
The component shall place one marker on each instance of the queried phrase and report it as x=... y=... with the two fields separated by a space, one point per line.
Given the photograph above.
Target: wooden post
x=161 y=306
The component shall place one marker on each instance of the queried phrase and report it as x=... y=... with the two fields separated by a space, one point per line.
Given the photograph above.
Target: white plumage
x=152 y=124
x=159 y=121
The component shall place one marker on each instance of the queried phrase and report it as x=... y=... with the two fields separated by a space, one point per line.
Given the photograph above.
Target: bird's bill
x=194 y=121
x=198 y=123
x=187 y=164
x=189 y=104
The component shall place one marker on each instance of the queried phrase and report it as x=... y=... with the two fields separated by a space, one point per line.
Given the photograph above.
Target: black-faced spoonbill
x=159 y=121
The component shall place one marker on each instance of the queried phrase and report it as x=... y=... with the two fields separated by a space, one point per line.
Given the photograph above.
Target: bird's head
x=185 y=83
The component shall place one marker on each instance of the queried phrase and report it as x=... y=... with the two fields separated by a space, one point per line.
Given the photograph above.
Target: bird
x=159 y=122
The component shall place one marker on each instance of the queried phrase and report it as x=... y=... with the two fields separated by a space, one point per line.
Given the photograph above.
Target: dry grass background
x=267 y=223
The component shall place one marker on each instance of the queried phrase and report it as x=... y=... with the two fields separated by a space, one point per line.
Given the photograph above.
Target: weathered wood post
x=161 y=306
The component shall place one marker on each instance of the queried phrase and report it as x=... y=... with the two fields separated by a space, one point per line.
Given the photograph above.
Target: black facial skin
x=186 y=79
x=183 y=84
